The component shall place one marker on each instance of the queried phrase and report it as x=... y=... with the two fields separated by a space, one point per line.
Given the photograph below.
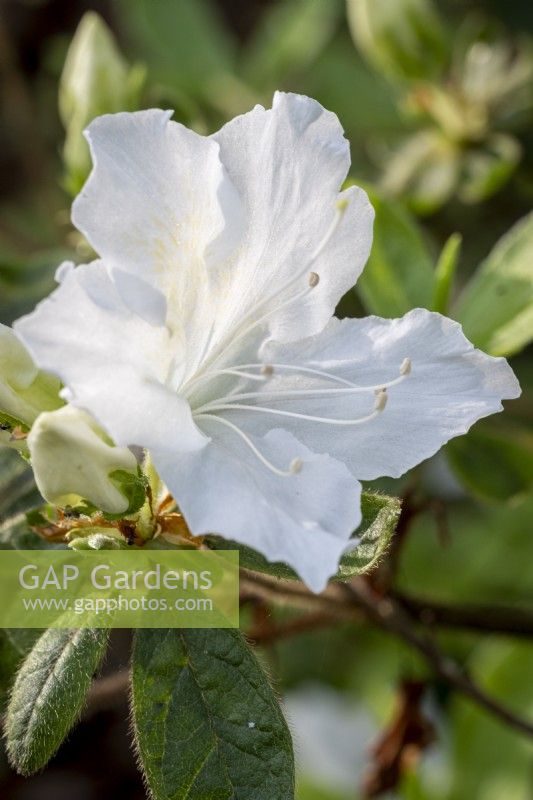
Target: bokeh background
x=437 y=101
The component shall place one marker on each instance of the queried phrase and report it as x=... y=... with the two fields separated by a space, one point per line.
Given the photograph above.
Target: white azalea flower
x=204 y=334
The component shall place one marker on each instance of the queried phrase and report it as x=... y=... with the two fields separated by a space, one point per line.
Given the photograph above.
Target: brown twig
x=266 y=634
x=390 y=616
x=483 y=618
x=349 y=600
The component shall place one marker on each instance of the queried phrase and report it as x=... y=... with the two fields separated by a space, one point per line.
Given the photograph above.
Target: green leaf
x=185 y=42
x=489 y=758
x=23 y=282
x=486 y=169
x=16 y=534
x=206 y=720
x=445 y=271
x=496 y=308
x=494 y=464
x=49 y=693
x=9 y=660
x=22 y=639
x=399 y=272
x=289 y=37
x=14 y=644
x=380 y=515
x=17 y=487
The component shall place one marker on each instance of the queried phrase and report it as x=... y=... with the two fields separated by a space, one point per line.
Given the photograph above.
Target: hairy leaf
x=206 y=720
x=380 y=515
x=49 y=693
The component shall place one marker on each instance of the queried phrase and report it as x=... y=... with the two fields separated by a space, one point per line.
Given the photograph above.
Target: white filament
x=267 y=370
x=294 y=467
x=288 y=393
x=352 y=388
x=243 y=333
x=381 y=399
x=313 y=281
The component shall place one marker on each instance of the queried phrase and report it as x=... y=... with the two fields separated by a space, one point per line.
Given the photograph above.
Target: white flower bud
x=96 y=79
x=25 y=391
x=72 y=460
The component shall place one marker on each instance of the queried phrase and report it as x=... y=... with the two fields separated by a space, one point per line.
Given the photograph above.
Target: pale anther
x=313 y=281
x=296 y=465
x=267 y=370
x=381 y=400
x=405 y=367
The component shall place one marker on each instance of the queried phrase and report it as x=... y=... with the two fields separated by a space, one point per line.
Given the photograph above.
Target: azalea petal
x=303 y=520
x=158 y=195
x=113 y=362
x=288 y=164
x=157 y=199
x=451 y=385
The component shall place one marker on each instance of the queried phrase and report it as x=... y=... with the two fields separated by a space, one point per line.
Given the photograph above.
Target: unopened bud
x=404 y=39
x=96 y=79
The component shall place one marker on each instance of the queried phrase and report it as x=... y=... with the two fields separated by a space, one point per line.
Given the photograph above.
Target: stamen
x=314 y=278
x=297 y=368
x=313 y=281
x=239 y=374
x=294 y=467
x=287 y=393
x=405 y=368
x=378 y=408
x=381 y=400
x=243 y=333
x=267 y=370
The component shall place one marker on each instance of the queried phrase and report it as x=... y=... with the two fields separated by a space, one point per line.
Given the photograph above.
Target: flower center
x=257 y=315
x=233 y=402
x=245 y=402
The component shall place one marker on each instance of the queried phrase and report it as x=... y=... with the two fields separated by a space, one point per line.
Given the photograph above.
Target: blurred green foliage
x=437 y=101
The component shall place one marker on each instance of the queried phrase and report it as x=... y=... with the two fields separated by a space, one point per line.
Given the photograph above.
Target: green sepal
x=9 y=423
x=133 y=487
